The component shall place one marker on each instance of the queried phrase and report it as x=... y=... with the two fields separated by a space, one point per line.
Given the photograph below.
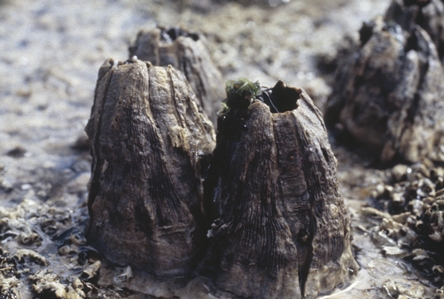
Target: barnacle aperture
x=242 y=92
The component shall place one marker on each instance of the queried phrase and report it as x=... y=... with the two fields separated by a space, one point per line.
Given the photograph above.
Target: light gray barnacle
x=77 y=239
x=91 y=271
x=29 y=238
x=125 y=274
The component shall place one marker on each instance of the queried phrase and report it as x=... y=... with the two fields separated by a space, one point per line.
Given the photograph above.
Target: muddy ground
x=50 y=52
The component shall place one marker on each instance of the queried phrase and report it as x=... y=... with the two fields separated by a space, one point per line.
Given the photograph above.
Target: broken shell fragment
x=148 y=137
x=281 y=228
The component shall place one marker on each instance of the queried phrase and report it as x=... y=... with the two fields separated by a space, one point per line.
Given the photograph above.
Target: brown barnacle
x=388 y=190
x=49 y=226
x=408 y=235
x=439 y=222
x=411 y=222
x=429 y=200
x=284 y=233
x=149 y=139
x=391 y=228
x=386 y=96
x=187 y=52
x=391 y=288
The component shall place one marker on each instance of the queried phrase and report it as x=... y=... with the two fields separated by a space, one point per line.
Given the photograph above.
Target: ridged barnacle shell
x=387 y=95
x=147 y=138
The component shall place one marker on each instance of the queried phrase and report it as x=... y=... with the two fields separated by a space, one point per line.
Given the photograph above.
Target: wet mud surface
x=50 y=55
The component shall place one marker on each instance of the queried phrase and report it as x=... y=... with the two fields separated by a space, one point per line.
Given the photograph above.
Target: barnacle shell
x=91 y=271
x=125 y=275
x=147 y=138
x=281 y=228
x=387 y=94
x=188 y=53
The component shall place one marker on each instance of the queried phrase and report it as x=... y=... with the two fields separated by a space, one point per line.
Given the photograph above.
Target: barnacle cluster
x=412 y=224
x=31 y=236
